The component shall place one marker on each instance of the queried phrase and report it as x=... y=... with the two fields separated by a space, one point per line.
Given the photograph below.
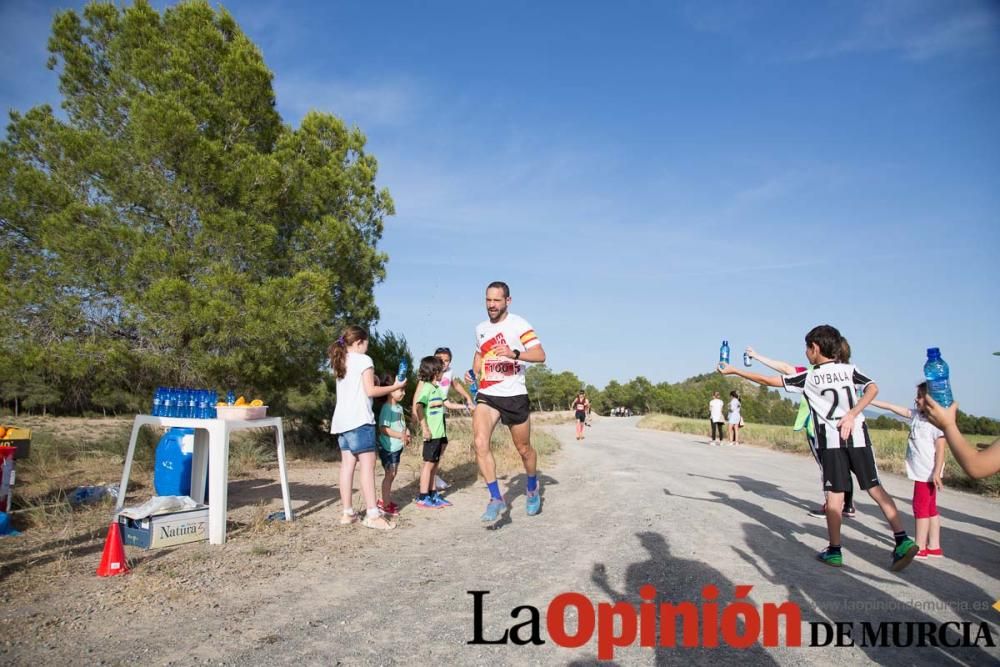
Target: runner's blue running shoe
x=493 y=510
x=439 y=500
x=533 y=503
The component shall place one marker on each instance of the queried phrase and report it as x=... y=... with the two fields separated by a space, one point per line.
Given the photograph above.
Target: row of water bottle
x=724 y=354
x=184 y=402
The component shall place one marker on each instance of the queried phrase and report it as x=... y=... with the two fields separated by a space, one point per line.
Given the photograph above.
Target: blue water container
x=172 y=474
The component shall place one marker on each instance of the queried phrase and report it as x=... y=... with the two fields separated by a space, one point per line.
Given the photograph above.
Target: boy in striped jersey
x=842 y=440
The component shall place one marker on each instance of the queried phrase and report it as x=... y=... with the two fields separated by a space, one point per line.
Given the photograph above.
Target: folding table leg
x=218 y=488
x=199 y=465
x=123 y=488
x=283 y=472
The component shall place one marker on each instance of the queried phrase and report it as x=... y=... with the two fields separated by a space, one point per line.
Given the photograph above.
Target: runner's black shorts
x=581 y=416
x=433 y=449
x=513 y=410
x=838 y=464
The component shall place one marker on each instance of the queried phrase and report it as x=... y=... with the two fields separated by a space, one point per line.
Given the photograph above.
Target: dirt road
x=623 y=509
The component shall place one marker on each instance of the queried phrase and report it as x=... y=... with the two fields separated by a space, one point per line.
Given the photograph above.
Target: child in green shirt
x=429 y=406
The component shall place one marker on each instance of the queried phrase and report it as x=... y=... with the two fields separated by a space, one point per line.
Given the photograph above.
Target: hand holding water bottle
x=401 y=374
x=939 y=415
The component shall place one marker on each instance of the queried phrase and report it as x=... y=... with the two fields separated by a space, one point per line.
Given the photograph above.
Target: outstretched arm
x=368 y=377
x=782 y=367
x=766 y=380
x=892 y=407
x=459 y=386
x=975 y=464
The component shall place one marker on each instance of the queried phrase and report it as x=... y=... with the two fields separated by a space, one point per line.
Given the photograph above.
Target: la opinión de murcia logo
x=738 y=624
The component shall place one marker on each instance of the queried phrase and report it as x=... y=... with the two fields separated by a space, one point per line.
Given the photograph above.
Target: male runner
x=503 y=343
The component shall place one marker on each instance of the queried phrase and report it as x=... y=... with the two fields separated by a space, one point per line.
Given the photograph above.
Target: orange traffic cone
x=113 y=559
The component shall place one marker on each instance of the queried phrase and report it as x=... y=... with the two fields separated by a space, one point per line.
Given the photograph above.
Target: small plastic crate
x=241 y=412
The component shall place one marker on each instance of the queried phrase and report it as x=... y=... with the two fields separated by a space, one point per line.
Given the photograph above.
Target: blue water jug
x=172 y=474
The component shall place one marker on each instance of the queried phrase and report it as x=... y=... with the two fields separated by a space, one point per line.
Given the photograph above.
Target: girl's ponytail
x=338 y=349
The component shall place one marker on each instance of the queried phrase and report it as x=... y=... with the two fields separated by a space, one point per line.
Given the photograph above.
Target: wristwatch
x=517 y=354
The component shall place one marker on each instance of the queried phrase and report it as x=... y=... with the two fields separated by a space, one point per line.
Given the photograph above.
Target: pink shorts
x=924 y=500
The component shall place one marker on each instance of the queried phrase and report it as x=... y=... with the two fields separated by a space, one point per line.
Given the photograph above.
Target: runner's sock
x=900 y=537
x=532 y=483
x=494 y=488
x=833 y=549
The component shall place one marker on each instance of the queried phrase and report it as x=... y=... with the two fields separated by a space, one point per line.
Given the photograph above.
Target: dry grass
x=890 y=447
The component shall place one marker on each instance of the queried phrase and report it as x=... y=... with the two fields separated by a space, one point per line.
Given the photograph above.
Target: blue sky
x=651 y=178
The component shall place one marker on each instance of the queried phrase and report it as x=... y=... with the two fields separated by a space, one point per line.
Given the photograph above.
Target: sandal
x=348 y=519
x=378 y=523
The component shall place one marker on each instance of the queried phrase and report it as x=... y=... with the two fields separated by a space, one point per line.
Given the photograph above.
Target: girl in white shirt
x=925 y=466
x=354 y=422
x=735 y=419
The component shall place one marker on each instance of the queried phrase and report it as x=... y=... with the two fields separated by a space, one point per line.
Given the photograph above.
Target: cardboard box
x=19 y=439
x=165 y=530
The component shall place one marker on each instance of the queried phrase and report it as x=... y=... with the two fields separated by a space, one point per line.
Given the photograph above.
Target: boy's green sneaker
x=832 y=558
x=903 y=554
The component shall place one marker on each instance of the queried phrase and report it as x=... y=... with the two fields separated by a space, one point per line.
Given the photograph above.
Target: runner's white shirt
x=829 y=389
x=503 y=377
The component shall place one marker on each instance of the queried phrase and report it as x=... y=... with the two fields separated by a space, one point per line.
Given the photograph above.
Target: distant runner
x=503 y=342
x=581 y=410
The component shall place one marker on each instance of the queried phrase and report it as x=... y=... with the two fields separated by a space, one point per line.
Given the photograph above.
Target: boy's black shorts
x=513 y=410
x=838 y=464
x=433 y=449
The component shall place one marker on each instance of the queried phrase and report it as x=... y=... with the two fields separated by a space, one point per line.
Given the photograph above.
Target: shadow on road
x=825 y=593
x=678 y=580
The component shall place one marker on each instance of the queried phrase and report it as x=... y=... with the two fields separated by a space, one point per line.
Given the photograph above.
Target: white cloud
x=920 y=30
x=375 y=104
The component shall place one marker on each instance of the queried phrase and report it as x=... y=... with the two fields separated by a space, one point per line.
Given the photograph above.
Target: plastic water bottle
x=158 y=402
x=746 y=360
x=230 y=397
x=192 y=398
x=936 y=372
x=401 y=371
x=167 y=409
x=724 y=352
x=474 y=385
x=213 y=400
x=202 y=409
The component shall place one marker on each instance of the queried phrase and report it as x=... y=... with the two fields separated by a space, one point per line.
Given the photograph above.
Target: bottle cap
x=933 y=352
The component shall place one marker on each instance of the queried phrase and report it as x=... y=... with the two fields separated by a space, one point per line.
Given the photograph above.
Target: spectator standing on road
x=735 y=418
x=354 y=422
x=716 y=419
x=924 y=465
x=804 y=422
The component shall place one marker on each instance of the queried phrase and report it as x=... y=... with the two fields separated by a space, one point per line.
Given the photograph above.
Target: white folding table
x=211 y=455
